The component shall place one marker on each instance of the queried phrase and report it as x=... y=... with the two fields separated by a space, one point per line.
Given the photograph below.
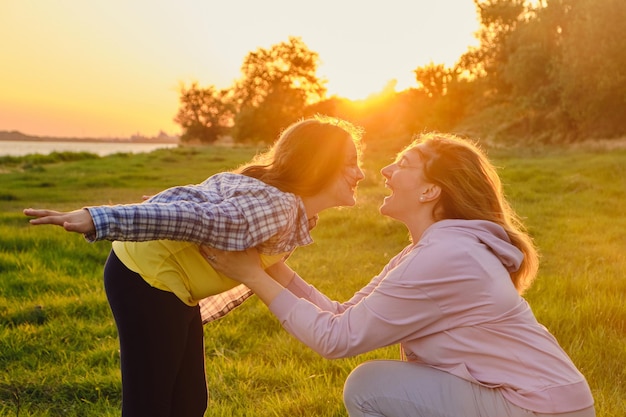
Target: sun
x=361 y=88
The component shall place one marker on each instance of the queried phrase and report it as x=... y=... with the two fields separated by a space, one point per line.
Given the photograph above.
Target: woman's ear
x=430 y=194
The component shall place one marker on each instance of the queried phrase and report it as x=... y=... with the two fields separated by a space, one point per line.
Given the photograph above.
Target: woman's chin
x=387 y=207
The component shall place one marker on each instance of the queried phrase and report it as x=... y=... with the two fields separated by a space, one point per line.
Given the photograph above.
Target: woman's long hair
x=307 y=156
x=471 y=189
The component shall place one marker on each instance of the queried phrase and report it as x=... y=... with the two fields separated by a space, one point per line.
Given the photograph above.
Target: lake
x=21 y=148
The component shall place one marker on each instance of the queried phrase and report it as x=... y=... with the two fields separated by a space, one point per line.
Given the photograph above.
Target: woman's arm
x=279 y=272
x=392 y=311
x=289 y=279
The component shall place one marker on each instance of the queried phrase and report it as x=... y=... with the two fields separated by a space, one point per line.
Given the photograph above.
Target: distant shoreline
x=18 y=136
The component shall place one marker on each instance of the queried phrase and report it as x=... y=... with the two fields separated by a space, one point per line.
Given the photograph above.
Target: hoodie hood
x=488 y=233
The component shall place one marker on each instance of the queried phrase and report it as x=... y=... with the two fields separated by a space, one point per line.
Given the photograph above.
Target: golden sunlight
x=111 y=69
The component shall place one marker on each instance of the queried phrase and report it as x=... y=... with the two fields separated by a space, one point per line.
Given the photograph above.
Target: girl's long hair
x=307 y=156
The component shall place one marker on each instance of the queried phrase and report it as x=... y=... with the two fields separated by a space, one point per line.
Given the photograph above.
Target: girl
x=154 y=287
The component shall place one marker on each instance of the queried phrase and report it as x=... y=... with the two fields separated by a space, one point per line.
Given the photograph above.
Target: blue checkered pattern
x=227 y=211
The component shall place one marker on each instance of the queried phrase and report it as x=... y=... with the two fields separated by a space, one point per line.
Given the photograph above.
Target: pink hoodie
x=450 y=302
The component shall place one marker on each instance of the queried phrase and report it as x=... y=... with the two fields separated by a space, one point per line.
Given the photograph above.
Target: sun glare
x=361 y=87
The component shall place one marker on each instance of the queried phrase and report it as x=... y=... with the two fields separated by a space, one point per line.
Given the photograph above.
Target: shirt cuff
x=99 y=217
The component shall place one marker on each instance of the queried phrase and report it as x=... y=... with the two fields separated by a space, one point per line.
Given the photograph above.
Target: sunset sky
x=76 y=68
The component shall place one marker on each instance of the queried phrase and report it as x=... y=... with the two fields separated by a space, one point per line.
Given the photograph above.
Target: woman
x=154 y=286
x=452 y=299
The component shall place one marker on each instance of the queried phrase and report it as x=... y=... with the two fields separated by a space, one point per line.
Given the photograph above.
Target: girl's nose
x=359 y=174
x=386 y=171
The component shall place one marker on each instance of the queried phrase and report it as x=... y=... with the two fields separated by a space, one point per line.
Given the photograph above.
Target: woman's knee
x=361 y=381
x=361 y=375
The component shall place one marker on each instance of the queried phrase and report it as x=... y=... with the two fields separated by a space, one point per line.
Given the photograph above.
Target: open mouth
x=351 y=185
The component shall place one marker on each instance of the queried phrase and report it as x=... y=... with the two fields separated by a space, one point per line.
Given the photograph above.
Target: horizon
x=5 y=136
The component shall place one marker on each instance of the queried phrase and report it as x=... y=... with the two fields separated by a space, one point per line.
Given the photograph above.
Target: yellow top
x=178 y=267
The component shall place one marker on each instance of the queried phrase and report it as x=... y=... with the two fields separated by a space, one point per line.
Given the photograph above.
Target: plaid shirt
x=227 y=211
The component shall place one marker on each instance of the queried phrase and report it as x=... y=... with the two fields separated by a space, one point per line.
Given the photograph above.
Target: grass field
x=58 y=347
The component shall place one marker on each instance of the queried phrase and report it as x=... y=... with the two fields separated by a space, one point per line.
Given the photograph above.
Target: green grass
x=58 y=347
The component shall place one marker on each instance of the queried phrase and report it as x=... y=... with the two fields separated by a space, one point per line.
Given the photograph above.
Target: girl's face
x=405 y=179
x=341 y=191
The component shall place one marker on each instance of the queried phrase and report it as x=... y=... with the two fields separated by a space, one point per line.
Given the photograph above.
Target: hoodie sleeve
x=383 y=313
x=445 y=281
x=302 y=289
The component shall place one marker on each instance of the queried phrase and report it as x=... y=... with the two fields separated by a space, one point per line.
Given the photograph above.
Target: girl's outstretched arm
x=78 y=221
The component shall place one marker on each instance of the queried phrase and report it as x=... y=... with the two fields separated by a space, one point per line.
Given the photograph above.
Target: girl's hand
x=78 y=221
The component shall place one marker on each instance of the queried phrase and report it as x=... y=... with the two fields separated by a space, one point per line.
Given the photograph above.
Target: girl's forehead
x=411 y=153
x=351 y=150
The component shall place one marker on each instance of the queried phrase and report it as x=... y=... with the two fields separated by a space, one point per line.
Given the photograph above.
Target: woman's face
x=341 y=191
x=405 y=179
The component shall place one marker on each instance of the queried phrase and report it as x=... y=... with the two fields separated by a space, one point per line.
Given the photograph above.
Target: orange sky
x=79 y=68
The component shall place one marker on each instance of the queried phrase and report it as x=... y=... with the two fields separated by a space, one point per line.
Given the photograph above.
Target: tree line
x=551 y=71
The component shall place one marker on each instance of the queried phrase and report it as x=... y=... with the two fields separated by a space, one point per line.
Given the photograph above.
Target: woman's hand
x=236 y=265
x=245 y=267
x=78 y=221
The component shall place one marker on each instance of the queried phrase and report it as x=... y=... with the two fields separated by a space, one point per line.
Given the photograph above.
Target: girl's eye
x=352 y=167
x=404 y=164
x=353 y=163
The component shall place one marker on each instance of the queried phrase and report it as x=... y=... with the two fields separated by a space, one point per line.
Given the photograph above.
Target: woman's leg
x=161 y=347
x=403 y=389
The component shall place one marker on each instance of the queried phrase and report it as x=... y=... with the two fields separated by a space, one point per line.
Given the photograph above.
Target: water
x=21 y=148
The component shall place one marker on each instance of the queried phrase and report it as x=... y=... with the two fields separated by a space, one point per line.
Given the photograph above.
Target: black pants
x=161 y=347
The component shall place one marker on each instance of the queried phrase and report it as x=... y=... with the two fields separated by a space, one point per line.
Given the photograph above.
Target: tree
x=591 y=76
x=205 y=114
x=512 y=91
x=276 y=85
x=556 y=69
x=545 y=71
x=433 y=79
x=280 y=107
x=498 y=20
